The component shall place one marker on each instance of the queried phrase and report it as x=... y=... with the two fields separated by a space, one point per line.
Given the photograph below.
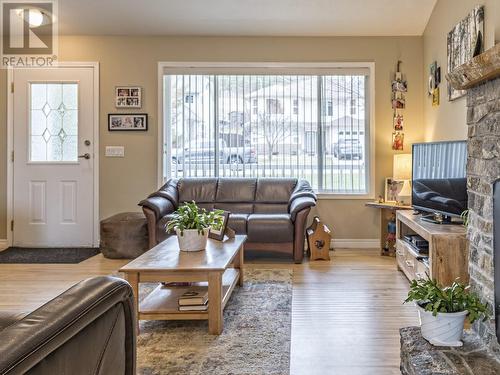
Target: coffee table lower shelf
x=162 y=302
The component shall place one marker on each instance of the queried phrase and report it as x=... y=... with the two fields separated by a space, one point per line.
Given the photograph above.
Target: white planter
x=191 y=240
x=444 y=329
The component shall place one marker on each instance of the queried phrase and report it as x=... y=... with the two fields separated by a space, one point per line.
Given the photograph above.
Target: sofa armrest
x=169 y=191
x=299 y=204
x=159 y=205
x=91 y=325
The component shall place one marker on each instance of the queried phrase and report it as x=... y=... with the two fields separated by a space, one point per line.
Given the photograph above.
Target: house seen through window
x=306 y=126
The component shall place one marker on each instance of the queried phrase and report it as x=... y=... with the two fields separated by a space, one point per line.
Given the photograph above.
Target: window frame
x=332 y=68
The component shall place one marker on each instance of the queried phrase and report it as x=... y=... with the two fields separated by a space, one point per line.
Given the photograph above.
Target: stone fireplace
x=483 y=173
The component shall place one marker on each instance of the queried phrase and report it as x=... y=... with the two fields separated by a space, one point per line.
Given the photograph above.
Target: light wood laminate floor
x=345 y=316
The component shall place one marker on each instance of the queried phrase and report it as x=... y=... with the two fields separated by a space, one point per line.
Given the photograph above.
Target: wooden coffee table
x=220 y=265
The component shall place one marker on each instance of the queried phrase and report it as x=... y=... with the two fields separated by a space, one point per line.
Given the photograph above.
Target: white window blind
x=313 y=126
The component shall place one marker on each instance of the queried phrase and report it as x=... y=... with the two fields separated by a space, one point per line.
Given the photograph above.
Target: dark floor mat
x=46 y=255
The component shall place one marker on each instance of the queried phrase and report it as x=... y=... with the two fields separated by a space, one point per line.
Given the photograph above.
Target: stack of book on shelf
x=194 y=299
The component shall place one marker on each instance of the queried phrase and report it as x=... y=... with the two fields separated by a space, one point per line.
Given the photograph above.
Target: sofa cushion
x=236 y=208
x=200 y=190
x=236 y=190
x=270 y=208
x=269 y=228
x=238 y=223
x=274 y=190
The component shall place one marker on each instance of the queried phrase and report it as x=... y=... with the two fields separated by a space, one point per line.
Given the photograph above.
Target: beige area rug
x=255 y=341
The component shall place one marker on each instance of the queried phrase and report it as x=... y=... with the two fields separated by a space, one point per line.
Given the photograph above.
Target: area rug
x=255 y=340
x=46 y=255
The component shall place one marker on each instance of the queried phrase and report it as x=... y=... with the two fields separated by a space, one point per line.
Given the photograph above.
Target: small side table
x=387 y=214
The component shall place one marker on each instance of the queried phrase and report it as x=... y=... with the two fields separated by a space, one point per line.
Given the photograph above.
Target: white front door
x=53 y=142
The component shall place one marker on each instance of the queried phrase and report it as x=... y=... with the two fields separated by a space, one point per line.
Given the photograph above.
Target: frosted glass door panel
x=54 y=122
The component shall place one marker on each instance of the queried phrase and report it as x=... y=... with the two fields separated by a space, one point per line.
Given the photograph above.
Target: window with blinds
x=309 y=126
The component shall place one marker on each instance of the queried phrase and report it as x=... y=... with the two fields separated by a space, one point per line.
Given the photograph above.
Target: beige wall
x=133 y=61
x=447 y=121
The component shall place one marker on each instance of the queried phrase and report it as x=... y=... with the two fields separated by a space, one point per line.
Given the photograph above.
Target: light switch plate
x=115 y=151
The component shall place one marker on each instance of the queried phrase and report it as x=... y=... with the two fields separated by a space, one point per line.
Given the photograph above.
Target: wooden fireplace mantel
x=481 y=68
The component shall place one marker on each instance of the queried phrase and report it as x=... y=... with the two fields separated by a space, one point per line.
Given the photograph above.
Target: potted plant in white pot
x=192 y=225
x=442 y=311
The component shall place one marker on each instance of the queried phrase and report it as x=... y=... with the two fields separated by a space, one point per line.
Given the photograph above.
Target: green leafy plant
x=455 y=298
x=465 y=218
x=190 y=216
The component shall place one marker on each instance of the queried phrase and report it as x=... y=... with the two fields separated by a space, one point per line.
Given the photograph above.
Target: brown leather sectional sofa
x=272 y=212
x=89 y=329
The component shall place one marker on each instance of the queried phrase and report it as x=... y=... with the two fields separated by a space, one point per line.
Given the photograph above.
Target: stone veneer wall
x=483 y=169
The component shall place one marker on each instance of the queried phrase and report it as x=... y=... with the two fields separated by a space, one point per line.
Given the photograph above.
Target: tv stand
x=448 y=250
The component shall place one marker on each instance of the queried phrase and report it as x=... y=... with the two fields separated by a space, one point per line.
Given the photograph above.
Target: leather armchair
x=89 y=329
x=272 y=212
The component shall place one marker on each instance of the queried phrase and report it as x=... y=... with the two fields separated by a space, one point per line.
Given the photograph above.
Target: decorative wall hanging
x=398 y=100
x=464 y=42
x=434 y=81
x=128 y=97
x=399 y=88
x=128 y=122
x=398 y=122
x=398 y=139
x=435 y=97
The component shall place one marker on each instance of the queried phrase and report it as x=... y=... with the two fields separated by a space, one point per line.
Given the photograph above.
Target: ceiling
x=244 y=17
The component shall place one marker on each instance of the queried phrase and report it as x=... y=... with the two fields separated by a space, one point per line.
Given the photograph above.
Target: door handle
x=85 y=156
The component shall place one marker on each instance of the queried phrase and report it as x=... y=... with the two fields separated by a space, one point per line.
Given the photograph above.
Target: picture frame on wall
x=128 y=97
x=127 y=122
x=392 y=189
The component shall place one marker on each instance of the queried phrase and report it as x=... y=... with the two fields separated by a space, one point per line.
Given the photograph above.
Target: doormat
x=47 y=255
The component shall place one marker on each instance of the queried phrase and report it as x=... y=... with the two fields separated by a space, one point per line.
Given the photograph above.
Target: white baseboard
x=3 y=244
x=346 y=243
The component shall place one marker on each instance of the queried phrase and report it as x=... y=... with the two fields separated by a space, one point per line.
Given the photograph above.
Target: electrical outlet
x=115 y=151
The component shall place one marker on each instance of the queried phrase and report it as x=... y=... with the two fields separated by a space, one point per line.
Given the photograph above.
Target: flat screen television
x=439 y=184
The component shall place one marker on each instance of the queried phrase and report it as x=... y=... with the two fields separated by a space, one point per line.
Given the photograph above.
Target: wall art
x=465 y=41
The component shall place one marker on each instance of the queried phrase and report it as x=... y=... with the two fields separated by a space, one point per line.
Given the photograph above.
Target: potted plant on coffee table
x=192 y=225
x=442 y=311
